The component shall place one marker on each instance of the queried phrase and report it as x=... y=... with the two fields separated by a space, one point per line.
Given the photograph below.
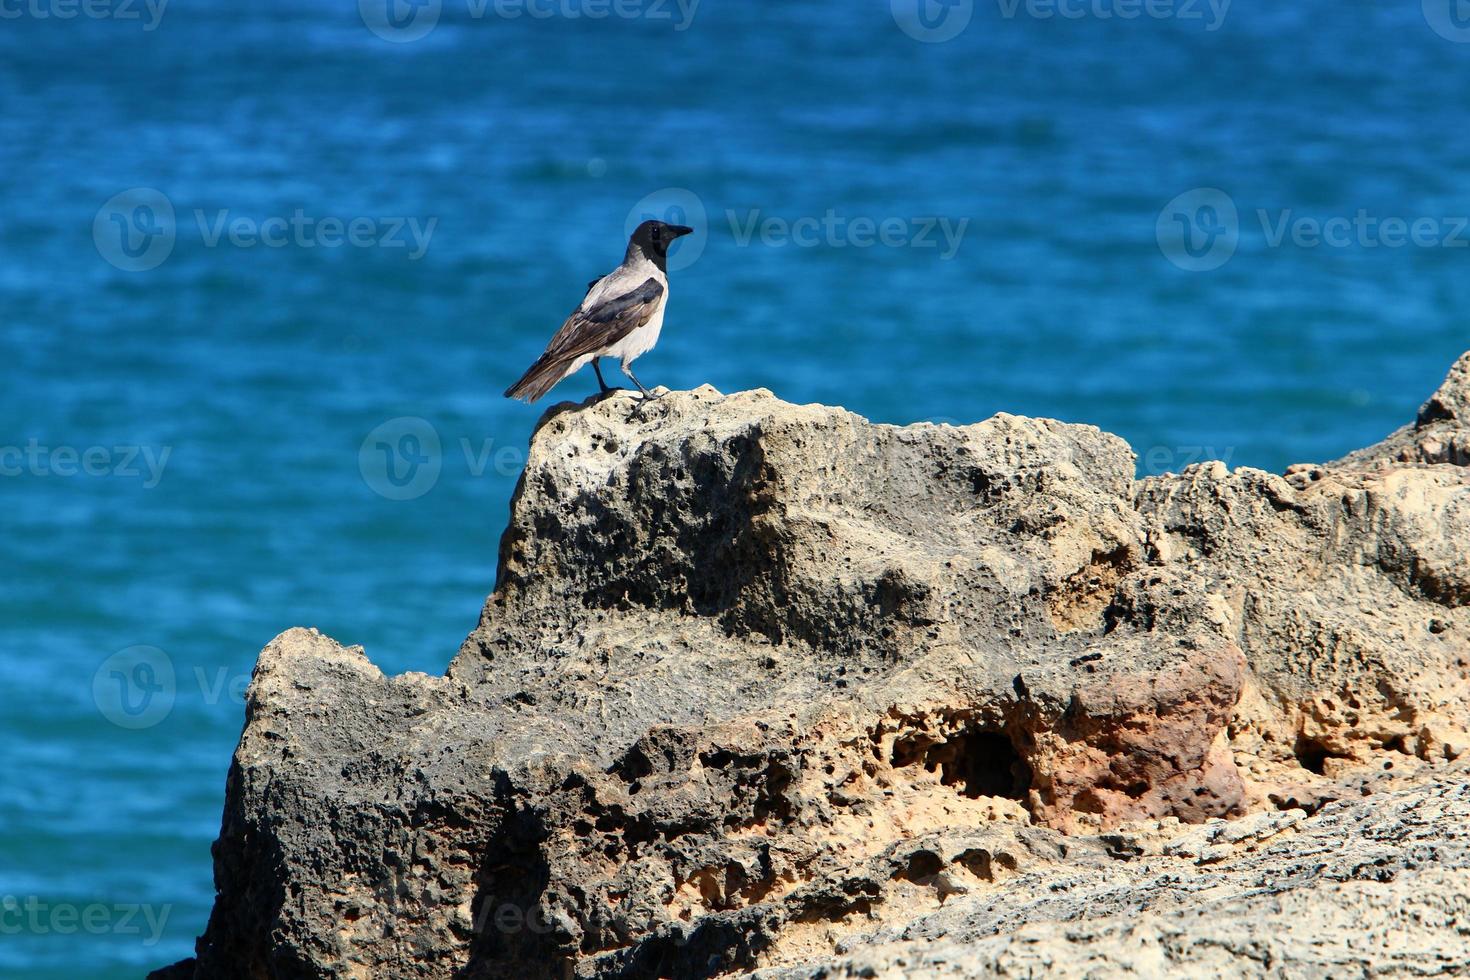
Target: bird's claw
x=642 y=403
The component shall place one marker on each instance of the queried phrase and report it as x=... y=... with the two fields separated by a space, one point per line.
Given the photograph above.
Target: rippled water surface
x=201 y=404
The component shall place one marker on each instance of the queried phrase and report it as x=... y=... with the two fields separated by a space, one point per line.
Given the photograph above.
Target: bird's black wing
x=606 y=323
x=586 y=332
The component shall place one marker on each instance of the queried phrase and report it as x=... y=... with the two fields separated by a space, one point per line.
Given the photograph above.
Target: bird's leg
x=648 y=395
x=600 y=383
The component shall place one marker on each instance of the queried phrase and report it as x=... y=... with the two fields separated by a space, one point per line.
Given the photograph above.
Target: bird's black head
x=653 y=239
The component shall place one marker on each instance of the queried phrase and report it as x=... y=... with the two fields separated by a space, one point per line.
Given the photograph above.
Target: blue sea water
x=209 y=437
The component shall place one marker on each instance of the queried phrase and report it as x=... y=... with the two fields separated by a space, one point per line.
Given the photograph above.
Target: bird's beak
x=679 y=231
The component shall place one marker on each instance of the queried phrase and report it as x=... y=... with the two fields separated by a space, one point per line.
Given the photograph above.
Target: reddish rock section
x=1133 y=747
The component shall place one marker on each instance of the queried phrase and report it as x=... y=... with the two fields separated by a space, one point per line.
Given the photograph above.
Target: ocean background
x=208 y=441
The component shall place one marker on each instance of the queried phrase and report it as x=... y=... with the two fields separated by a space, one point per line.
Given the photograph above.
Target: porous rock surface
x=770 y=690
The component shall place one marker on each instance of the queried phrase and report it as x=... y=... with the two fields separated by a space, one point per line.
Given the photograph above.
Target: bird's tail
x=540 y=379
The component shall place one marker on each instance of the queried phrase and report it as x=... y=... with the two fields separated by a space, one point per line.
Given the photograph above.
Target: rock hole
x=923 y=865
x=976 y=762
x=987 y=764
x=979 y=863
x=1312 y=755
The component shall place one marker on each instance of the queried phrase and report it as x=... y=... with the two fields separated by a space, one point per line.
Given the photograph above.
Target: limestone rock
x=765 y=687
x=1375 y=887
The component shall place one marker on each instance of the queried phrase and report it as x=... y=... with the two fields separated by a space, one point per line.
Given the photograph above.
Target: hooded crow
x=620 y=317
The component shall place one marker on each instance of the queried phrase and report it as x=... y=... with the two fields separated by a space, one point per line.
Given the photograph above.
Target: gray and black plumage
x=621 y=316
